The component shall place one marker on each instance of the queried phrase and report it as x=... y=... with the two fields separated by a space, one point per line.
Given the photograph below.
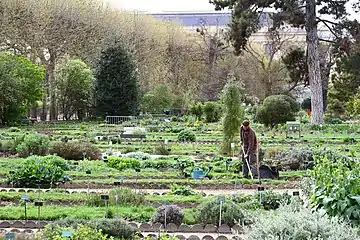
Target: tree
x=20 y=86
x=276 y=110
x=74 y=87
x=157 y=100
x=297 y=13
x=116 y=89
x=49 y=29
x=233 y=113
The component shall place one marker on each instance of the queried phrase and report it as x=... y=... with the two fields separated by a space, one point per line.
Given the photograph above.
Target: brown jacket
x=248 y=140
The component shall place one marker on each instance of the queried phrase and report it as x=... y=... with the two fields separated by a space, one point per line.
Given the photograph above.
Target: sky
x=157 y=6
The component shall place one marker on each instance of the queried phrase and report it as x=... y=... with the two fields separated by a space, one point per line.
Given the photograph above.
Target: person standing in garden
x=248 y=144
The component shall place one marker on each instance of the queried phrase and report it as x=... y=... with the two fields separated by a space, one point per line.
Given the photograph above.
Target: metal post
x=220 y=213
x=25 y=210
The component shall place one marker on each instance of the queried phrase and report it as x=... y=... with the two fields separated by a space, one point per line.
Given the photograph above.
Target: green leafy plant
x=337 y=185
x=187 y=136
x=161 y=149
x=80 y=232
x=39 y=170
x=14 y=129
x=271 y=200
x=121 y=163
x=181 y=190
x=158 y=163
x=208 y=213
x=75 y=150
x=36 y=144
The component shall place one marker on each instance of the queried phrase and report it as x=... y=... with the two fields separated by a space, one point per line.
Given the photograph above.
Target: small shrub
x=138 y=155
x=173 y=215
x=212 y=112
x=161 y=149
x=16 y=141
x=112 y=227
x=158 y=163
x=182 y=190
x=295 y=159
x=271 y=200
x=14 y=129
x=297 y=223
x=187 y=136
x=76 y=150
x=276 y=110
x=80 y=232
x=39 y=170
x=197 y=110
x=127 y=196
x=121 y=163
x=208 y=213
x=36 y=144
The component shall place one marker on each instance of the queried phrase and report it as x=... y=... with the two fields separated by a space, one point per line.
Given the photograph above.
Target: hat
x=246 y=123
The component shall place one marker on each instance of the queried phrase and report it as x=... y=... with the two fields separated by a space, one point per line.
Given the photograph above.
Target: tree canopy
x=20 y=86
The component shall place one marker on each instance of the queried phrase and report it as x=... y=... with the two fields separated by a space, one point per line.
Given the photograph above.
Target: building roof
x=195 y=19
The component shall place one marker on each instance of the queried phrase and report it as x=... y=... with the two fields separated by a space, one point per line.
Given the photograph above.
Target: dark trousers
x=252 y=160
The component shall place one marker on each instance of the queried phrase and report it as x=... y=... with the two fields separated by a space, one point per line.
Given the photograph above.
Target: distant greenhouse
x=195 y=19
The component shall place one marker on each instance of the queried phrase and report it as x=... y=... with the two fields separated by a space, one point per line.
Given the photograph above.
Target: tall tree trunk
x=43 y=115
x=53 y=108
x=312 y=39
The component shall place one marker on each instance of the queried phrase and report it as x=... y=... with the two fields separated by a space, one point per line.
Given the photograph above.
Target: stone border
x=141 y=227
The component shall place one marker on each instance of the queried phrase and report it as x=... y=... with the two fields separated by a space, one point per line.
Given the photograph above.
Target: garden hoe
x=247 y=163
x=258 y=160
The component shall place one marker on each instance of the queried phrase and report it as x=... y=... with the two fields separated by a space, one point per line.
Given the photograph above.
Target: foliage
x=112 y=227
x=233 y=114
x=337 y=185
x=161 y=149
x=186 y=136
x=15 y=142
x=294 y=159
x=137 y=155
x=197 y=110
x=276 y=110
x=271 y=200
x=121 y=163
x=208 y=213
x=116 y=89
x=75 y=150
x=36 y=144
x=14 y=129
x=127 y=196
x=157 y=100
x=306 y=104
x=159 y=163
x=181 y=190
x=39 y=170
x=74 y=85
x=212 y=112
x=353 y=106
x=173 y=215
x=292 y=222
x=78 y=233
x=20 y=84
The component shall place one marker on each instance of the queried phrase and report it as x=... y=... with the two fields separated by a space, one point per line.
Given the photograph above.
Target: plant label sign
x=25 y=197
x=9 y=236
x=166 y=203
x=66 y=233
x=221 y=198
